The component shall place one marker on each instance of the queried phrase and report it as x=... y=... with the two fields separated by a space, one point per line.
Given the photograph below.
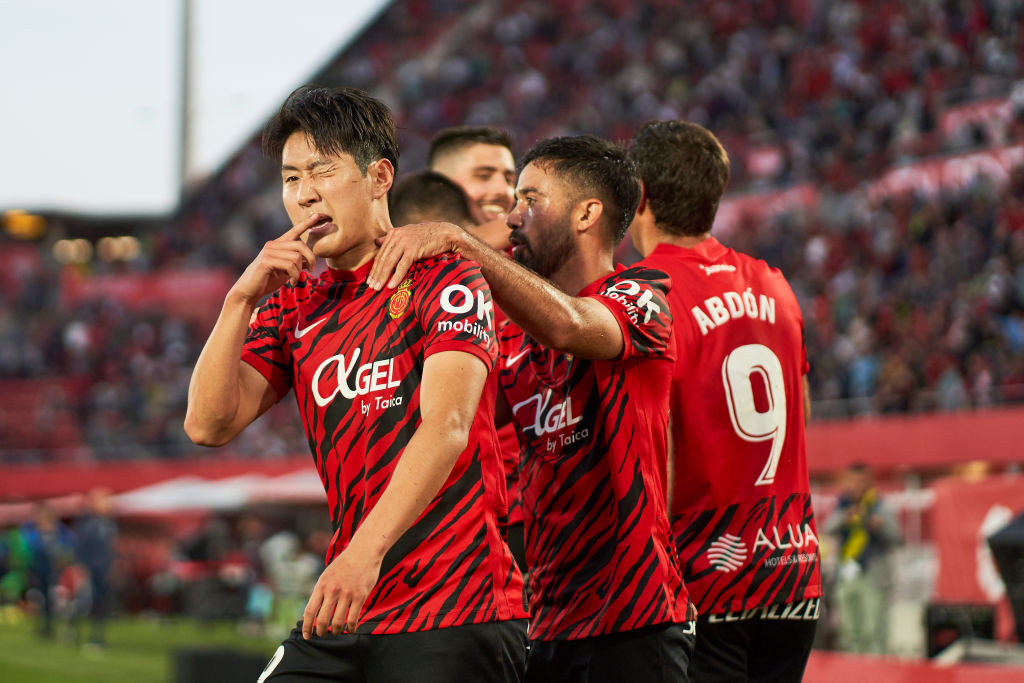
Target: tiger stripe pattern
x=354 y=358
x=592 y=477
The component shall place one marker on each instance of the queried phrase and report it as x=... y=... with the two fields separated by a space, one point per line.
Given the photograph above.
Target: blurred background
x=877 y=154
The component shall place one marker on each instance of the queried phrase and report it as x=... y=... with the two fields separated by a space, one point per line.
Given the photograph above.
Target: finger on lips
x=296 y=230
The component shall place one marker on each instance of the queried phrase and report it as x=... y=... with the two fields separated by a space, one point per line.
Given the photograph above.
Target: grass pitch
x=138 y=650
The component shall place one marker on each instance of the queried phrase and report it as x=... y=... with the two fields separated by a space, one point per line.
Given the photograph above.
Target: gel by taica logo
x=375 y=376
x=547 y=418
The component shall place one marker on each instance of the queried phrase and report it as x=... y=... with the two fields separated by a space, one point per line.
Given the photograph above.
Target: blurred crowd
x=913 y=302
x=61 y=572
x=68 y=574
x=102 y=380
x=830 y=92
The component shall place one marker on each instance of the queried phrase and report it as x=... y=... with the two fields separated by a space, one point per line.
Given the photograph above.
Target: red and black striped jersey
x=354 y=357
x=741 y=512
x=508 y=443
x=592 y=474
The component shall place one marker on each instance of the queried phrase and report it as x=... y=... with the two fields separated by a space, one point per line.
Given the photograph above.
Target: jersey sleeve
x=453 y=305
x=265 y=348
x=637 y=297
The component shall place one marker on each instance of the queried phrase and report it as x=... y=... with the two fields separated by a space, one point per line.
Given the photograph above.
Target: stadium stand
x=913 y=293
x=877 y=160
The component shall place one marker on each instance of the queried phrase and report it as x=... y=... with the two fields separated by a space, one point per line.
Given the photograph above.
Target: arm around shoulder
x=577 y=325
x=581 y=326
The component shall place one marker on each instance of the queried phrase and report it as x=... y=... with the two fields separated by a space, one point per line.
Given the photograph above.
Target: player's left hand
x=402 y=247
x=339 y=594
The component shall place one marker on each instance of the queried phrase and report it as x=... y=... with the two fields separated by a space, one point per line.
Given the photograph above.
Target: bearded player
x=419 y=584
x=586 y=379
x=740 y=500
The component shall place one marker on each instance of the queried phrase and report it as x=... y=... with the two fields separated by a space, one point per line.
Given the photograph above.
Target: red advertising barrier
x=928 y=442
x=42 y=481
x=931 y=442
x=964 y=515
x=188 y=293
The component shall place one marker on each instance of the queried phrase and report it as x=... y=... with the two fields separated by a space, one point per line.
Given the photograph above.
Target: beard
x=545 y=259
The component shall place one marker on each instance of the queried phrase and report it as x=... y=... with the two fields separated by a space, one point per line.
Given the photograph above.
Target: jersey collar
x=709 y=249
x=596 y=284
x=356 y=275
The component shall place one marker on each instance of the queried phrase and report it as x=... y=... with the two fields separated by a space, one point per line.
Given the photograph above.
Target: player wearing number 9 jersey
x=740 y=500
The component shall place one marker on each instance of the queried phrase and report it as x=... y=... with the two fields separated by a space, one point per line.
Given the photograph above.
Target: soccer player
x=740 y=498
x=419 y=584
x=480 y=160
x=586 y=379
x=429 y=196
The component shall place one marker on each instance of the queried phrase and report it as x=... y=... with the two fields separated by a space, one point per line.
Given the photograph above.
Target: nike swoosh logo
x=512 y=359
x=299 y=333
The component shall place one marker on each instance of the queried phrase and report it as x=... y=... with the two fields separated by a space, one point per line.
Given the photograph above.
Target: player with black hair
x=429 y=196
x=419 y=584
x=585 y=377
x=480 y=160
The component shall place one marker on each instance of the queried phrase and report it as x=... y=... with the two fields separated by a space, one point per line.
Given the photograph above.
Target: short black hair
x=337 y=120
x=685 y=170
x=453 y=139
x=429 y=196
x=597 y=168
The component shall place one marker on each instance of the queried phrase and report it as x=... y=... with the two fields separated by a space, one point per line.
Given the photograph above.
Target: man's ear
x=642 y=206
x=588 y=214
x=382 y=174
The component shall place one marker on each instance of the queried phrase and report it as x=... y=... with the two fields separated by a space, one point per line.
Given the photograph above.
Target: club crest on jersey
x=399 y=301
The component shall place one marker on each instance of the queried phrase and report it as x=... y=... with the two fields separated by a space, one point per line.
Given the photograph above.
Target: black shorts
x=769 y=644
x=494 y=651
x=653 y=654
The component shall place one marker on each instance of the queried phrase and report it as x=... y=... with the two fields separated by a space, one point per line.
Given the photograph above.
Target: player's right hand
x=401 y=247
x=279 y=261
